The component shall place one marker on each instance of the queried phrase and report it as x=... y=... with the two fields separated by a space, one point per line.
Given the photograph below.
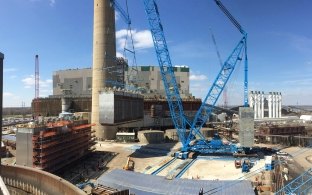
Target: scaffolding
x=61 y=143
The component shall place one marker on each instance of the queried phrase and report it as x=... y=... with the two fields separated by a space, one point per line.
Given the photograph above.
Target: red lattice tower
x=36 y=102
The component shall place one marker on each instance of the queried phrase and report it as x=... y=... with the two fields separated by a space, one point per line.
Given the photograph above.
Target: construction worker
x=201 y=191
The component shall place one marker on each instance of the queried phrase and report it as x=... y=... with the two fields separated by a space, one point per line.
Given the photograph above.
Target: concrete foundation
x=151 y=136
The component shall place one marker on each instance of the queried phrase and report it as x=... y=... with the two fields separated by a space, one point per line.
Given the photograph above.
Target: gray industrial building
x=148 y=78
x=78 y=82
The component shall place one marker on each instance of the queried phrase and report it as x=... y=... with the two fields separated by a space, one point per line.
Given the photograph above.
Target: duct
x=276 y=105
x=252 y=102
x=270 y=104
x=256 y=105
x=251 y=99
x=259 y=104
x=273 y=105
x=65 y=104
x=280 y=105
x=262 y=104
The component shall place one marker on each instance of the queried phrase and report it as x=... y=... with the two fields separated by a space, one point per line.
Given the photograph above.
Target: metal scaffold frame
x=298 y=186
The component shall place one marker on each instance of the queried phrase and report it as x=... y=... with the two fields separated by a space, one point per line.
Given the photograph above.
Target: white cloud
x=9 y=69
x=122 y=33
x=10 y=99
x=198 y=77
x=118 y=54
x=117 y=16
x=29 y=82
x=141 y=39
x=51 y=2
x=7 y=94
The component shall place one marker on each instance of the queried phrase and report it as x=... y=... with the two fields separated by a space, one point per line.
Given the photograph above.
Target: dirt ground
x=147 y=162
x=144 y=156
x=220 y=170
x=302 y=156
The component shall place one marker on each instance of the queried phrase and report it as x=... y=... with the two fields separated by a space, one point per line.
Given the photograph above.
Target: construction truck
x=129 y=166
x=246 y=165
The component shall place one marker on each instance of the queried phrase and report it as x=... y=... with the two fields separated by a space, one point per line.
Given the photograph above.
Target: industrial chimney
x=104 y=59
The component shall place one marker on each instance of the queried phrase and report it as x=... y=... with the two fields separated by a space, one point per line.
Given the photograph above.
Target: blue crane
x=219 y=83
x=244 y=33
x=166 y=69
x=172 y=91
x=225 y=104
x=301 y=185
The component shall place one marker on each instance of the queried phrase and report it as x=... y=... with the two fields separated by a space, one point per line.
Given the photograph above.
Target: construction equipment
x=129 y=166
x=167 y=70
x=244 y=38
x=225 y=101
x=301 y=185
x=172 y=90
x=246 y=165
x=238 y=164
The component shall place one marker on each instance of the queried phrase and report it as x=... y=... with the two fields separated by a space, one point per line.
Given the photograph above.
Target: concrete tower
x=1 y=95
x=104 y=59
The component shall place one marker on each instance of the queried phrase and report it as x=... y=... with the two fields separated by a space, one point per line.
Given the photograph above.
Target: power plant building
x=78 y=82
x=148 y=78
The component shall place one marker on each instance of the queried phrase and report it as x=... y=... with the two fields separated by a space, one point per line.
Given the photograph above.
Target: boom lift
x=172 y=91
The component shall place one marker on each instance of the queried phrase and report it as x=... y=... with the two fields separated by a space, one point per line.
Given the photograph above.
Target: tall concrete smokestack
x=104 y=59
x=1 y=96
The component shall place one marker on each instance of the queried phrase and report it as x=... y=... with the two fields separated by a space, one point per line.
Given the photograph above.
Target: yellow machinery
x=129 y=166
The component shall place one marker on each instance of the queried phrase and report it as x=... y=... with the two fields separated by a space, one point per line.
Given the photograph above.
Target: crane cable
x=134 y=67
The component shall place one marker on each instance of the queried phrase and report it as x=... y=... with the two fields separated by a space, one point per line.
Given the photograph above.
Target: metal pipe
x=273 y=105
x=270 y=104
x=280 y=105
x=262 y=104
x=276 y=104
x=259 y=104
x=256 y=105
x=251 y=100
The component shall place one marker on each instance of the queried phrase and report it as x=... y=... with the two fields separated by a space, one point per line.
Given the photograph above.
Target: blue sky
x=60 y=32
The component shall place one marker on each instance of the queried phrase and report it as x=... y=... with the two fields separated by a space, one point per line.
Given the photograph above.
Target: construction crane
x=126 y=17
x=244 y=33
x=225 y=101
x=36 y=102
x=218 y=85
x=167 y=70
x=172 y=91
x=301 y=185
